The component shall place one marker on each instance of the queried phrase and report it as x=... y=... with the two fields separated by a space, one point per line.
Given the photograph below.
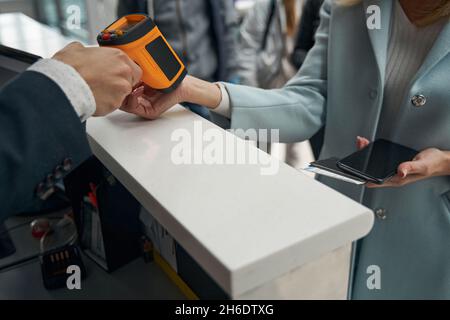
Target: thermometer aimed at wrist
x=139 y=37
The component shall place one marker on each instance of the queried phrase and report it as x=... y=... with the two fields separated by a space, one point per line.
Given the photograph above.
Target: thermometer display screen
x=162 y=55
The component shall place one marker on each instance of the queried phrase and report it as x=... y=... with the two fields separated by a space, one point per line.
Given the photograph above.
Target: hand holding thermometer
x=139 y=37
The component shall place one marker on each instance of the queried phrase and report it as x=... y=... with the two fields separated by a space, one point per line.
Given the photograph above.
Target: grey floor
x=136 y=280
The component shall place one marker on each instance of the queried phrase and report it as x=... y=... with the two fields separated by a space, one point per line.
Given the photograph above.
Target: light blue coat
x=341 y=84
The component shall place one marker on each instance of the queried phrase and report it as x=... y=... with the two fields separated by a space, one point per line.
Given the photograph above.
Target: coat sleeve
x=298 y=109
x=39 y=129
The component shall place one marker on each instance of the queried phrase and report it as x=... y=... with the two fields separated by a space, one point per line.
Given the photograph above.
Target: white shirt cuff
x=71 y=83
x=223 y=108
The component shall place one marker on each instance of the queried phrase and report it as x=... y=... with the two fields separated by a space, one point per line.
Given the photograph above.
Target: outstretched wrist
x=184 y=90
x=447 y=162
x=200 y=92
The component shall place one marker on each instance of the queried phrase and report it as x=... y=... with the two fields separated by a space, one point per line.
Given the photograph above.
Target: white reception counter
x=258 y=236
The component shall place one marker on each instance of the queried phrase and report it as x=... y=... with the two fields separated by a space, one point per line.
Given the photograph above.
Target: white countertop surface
x=242 y=227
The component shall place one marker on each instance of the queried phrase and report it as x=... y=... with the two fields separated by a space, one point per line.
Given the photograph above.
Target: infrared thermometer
x=139 y=37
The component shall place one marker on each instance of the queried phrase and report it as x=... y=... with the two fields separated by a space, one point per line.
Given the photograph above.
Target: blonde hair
x=441 y=11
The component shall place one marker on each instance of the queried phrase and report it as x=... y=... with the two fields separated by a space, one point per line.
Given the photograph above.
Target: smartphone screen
x=378 y=161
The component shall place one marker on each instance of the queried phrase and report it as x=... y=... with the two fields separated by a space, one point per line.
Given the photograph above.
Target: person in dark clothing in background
x=309 y=23
x=203 y=32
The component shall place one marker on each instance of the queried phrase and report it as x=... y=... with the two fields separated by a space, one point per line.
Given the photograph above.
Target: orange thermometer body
x=139 y=37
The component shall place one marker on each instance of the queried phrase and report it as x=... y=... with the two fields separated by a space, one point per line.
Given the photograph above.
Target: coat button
x=419 y=100
x=373 y=94
x=381 y=213
x=50 y=181
x=59 y=172
x=67 y=164
x=43 y=193
x=41 y=190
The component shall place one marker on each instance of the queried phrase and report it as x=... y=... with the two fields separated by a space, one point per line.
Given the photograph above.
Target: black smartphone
x=330 y=165
x=377 y=162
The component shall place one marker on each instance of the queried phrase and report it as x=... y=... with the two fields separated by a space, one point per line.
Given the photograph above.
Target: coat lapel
x=380 y=37
x=440 y=50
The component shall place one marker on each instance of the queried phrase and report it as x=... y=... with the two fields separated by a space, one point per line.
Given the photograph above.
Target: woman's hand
x=151 y=104
x=429 y=163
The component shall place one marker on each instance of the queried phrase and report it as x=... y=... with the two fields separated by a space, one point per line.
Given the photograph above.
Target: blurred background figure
x=266 y=51
x=266 y=43
x=203 y=32
x=308 y=25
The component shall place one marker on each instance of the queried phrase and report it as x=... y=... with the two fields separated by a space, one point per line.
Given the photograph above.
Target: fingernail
x=404 y=173
x=138 y=90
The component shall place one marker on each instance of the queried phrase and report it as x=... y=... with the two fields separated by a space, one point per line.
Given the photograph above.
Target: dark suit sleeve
x=39 y=129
